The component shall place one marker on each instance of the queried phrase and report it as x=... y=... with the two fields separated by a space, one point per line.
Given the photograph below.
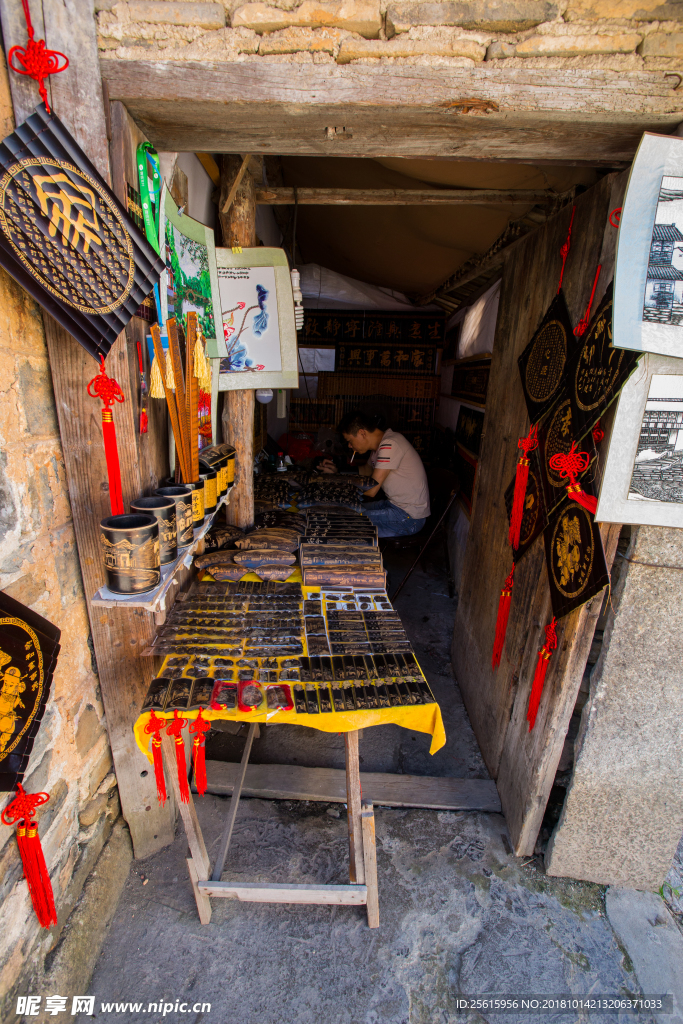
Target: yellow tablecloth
x=418 y=717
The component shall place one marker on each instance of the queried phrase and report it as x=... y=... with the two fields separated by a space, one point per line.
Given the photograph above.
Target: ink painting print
x=256 y=341
x=249 y=319
x=658 y=467
x=664 y=284
x=642 y=479
x=648 y=283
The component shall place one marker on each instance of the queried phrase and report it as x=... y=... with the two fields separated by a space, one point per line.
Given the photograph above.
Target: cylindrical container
x=228 y=450
x=222 y=470
x=210 y=493
x=182 y=495
x=197 y=489
x=131 y=553
x=163 y=509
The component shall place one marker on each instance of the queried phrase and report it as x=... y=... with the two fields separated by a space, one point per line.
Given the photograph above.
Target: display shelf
x=155 y=600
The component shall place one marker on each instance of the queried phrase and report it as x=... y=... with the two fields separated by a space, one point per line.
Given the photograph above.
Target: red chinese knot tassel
x=106 y=388
x=564 y=251
x=174 y=730
x=544 y=656
x=35 y=60
x=200 y=726
x=569 y=465
x=153 y=729
x=144 y=420
x=502 y=619
x=598 y=433
x=582 y=325
x=526 y=444
x=21 y=810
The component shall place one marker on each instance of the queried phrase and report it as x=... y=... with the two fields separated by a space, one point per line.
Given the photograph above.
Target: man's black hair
x=357 y=420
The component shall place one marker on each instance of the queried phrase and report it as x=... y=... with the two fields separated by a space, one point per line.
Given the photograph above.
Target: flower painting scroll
x=258 y=346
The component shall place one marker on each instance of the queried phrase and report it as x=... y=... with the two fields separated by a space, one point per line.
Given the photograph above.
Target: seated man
x=396 y=466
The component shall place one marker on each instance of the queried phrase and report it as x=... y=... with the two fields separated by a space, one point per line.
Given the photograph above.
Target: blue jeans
x=390 y=520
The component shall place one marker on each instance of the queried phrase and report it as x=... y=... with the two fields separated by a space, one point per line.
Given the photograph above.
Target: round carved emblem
x=67 y=233
x=546 y=362
x=572 y=550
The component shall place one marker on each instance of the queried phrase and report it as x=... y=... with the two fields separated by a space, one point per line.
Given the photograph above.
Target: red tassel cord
x=22 y=810
x=108 y=391
x=174 y=730
x=564 y=251
x=569 y=465
x=200 y=726
x=153 y=729
x=582 y=325
x=598 y=433
x=544 y=656
x=504 y=602
x=35 y=60
x=144 y=420
x=526 y=444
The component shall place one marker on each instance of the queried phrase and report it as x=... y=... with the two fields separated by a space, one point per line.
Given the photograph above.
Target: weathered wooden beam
x=571 y=116
x=402 y=196
x=238 y=224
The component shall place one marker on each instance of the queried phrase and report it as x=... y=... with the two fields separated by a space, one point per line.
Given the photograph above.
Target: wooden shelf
x=155 y=600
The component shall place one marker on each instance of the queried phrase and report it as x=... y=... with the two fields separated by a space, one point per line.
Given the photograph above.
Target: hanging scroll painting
x=29 y=646
x=648 y=294
x=66 y=238
x=543 y=361
x=597 y=371
x=191 y=282
x=643 y=476
x=258 y=347
x=575 y=558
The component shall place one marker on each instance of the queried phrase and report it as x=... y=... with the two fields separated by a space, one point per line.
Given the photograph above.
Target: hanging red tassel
x=504 y=602
x=526 y=444
x=174 y=730
x=569 y=465
x=35 y=60
x=544 y=656
x=582 y=325
x=598 y=433
x=108 y=391
x=153 y=729
x=21 y=810
x=144 y=421
x=564 y=251
x=200 y=726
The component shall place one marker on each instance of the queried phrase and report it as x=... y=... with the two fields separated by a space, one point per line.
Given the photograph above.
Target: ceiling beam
x=563 y=116
x=403 y=196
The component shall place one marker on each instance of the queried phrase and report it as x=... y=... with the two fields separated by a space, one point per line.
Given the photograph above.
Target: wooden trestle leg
x=362 y=852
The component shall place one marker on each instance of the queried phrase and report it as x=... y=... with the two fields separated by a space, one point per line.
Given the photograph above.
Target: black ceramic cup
x=131 y=553
x=197 y=489
x=182 y=495
x=210 y=491
x=163 y=510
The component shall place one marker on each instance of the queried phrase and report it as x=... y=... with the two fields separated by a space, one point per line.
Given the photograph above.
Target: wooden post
x=239 y=229
x=353 y=811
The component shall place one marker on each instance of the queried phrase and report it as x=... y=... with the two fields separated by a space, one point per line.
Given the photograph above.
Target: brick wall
x=39 y=566
x=618 y=34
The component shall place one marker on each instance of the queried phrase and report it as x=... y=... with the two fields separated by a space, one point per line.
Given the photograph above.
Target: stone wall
x=39 y=567
x=617 y=34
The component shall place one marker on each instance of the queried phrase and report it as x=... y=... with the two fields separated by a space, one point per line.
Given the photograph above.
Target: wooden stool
x=362 y=889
